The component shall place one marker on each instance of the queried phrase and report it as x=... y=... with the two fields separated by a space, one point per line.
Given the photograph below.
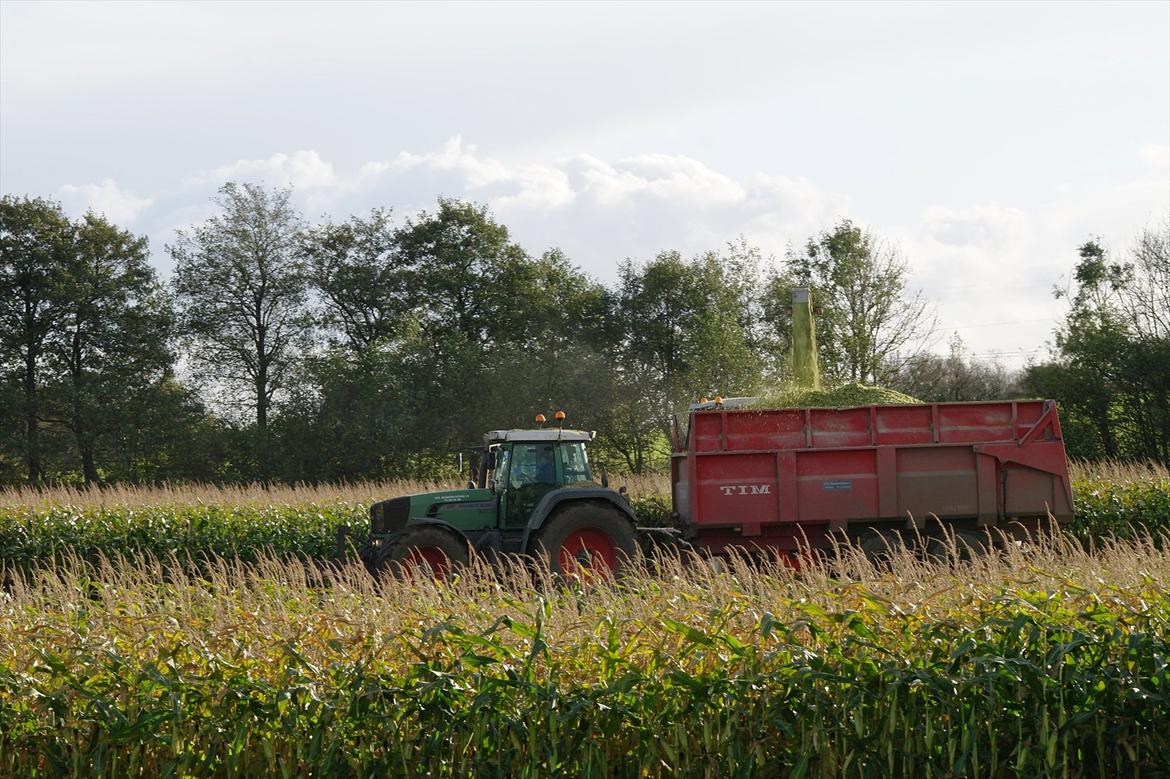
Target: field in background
x=364 y=493
x=247 y=522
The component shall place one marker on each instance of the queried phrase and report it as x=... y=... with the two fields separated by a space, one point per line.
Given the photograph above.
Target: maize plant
x=1036 y=660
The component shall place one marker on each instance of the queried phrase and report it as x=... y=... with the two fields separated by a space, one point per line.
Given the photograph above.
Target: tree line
x=374 y=347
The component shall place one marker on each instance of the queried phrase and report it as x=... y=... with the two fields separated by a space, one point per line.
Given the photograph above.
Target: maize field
x=1045 y=660
x=119 y=657
x=43 y=527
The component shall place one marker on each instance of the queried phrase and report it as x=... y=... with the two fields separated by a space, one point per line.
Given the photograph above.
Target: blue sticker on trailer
x=839 y=484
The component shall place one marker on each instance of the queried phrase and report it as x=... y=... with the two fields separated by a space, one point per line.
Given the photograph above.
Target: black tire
x=586 y=535
x=881 y=546
x=424 y=550
x=968 y=545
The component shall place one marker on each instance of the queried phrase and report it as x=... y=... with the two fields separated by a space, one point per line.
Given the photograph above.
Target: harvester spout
x=804 y=340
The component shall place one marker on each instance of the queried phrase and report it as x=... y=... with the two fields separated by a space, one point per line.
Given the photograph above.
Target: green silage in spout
x=804 y=340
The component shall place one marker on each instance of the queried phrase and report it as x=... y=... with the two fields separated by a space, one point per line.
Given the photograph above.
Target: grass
x=1046 y=660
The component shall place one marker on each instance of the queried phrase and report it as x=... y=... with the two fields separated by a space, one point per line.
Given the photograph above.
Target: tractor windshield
x=576 y=462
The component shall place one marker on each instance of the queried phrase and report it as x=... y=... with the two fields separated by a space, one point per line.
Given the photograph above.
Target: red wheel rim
x=588 y=548
x=427 y=561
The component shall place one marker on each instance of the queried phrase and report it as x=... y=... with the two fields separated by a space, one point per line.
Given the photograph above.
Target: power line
x=985 y=288
x=997 y=324
x=1007 y=353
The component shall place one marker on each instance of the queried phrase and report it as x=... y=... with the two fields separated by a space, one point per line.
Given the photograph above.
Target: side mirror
x=489 y=460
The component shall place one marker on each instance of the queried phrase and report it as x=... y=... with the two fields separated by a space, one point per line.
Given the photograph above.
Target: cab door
x=531 y=474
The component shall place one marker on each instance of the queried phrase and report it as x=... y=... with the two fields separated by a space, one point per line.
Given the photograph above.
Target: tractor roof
x=499 y=436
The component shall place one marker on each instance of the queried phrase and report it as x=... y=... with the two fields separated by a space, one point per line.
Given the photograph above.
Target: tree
x=113 y=339
x=681 y=334
x=448 y=328
x=681 y=324
x=955 y=376
x=242 y=293
x=1146 y=304
x=36 y=244
x=1110 y=369
x=460 y=260
x=870 y=324
x=362 y=278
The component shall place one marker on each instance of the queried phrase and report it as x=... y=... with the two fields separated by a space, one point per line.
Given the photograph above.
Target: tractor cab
x=520 y=467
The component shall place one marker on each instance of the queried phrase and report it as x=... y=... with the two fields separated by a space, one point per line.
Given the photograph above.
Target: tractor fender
x=564 y=496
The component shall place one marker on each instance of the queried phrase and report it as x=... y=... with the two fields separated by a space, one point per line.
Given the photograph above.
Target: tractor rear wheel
x=423 y=551
x=586 y=537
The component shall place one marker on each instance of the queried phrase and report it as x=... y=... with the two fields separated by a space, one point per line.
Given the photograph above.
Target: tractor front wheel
x=423 y=552
x=586 y=538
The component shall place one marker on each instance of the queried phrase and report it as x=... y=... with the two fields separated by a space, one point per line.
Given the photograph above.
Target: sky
x=985 y=142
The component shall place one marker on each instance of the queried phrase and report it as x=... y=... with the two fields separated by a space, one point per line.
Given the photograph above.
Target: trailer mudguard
x=559 y=497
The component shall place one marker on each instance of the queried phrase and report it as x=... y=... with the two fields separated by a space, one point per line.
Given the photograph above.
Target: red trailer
x=773 y=478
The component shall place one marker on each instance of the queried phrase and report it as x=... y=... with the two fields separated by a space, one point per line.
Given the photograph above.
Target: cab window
x=532 y=464
x=500 y=474
x=576 y=462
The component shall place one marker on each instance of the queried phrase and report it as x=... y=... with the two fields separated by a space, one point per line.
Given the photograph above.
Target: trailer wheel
x=586 y=537
x=423 y=552
x=957 y=545
x=882 y=546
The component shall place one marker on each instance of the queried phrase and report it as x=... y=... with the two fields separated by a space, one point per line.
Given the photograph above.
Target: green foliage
x=652 y=509
x=682 y=328
x=240 y=677
x=1111 y=370
x=32 y=537
x=356 y=267
x=113 y=347
x=1103 y=508
x=246 y=530
x=242 y=291
x=86 y=384
x=37 y=246
x=367 y=349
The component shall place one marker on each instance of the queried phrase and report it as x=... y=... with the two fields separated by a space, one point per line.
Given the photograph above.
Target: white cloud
x=795 y=208
x=599 y=211
x=477 y=171
x=106 y=198
x=987 y=226
x=1157 y=155
x=991 y=265
x=302 y=170
x=666 y=177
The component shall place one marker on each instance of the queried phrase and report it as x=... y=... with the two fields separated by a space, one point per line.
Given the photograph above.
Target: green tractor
x=534 y=495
